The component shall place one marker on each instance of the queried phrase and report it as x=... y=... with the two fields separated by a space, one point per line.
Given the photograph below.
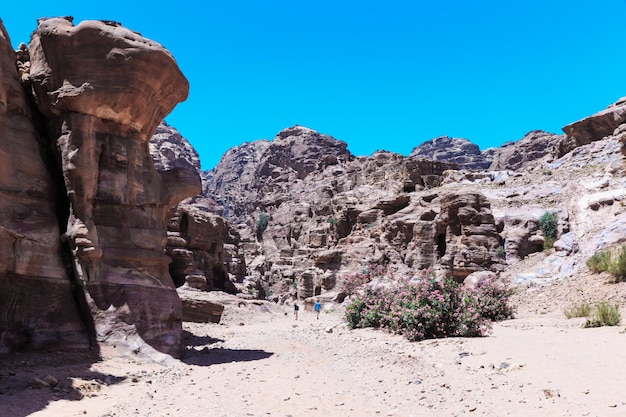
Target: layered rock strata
x=595 y=127
x=101 y=90
x=459 y=151
x=37 y=305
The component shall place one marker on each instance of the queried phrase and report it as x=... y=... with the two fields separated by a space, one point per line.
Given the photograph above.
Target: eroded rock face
x=328 y=222
x=458 y=151
x=466 y=235
x=264 y=171
x=104 y=89
x=595 y=127
x=536 y=148
x=204 y=247
x=101 y=90
x=37 y=306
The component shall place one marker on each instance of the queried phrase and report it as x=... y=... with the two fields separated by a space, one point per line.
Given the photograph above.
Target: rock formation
x=594 y=127
x=453 y=150
x=302 y=233
x=100 y=92
x=536 y=148
x=205 y=248
x=37 y=305
x=95 y=237
x=343 y=213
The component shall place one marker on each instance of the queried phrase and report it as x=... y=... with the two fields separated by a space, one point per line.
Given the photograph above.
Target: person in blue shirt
x=317 y=307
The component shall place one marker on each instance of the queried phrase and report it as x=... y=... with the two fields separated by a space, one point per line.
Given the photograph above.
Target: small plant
x=617 y=266
x=332 y=221
x=604 y=314
x=547 y=172
x=611 y=261
x=500 y=252
x=599 y=261
x=493 y=299
x=548 y=243
x=548 y=224
x=578 y=310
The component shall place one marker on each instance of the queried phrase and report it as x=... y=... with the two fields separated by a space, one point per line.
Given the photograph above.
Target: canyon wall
x=91 y=223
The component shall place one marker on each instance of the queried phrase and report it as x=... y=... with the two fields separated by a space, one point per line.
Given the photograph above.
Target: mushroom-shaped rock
x=104 y=89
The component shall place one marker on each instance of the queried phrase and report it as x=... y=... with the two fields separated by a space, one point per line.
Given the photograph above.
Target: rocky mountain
x=302 y=228
x=418 y=212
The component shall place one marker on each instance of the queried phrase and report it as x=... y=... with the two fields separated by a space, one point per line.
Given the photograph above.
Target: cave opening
x=441 y=244
x=219 y=278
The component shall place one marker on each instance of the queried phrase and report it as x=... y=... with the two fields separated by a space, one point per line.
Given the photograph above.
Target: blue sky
x=377 y=75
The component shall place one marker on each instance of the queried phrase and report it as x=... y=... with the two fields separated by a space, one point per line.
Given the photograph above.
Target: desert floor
x=262 y=362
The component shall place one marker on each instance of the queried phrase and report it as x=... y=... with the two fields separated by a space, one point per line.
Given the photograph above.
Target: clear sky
x=375 y=74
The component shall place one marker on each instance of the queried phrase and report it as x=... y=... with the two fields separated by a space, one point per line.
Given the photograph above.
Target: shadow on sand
x=31 y=381
x=201 y=351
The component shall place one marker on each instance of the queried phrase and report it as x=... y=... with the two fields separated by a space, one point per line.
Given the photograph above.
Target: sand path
x=267 y=364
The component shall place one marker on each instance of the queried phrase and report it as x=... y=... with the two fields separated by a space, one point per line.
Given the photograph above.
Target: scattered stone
x=37 y=383
x=549 y=393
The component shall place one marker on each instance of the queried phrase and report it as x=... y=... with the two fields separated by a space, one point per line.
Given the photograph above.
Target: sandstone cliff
x=304 y=231
x=309 y=212
x=90 y=233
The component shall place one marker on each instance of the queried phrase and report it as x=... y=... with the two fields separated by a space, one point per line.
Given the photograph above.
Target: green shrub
x=548 y=223
x=425 y=308
x=599 y=261
x=548 y=242
x=578 y=310
x=617 y=265
x=604 y=314
x=611 y=261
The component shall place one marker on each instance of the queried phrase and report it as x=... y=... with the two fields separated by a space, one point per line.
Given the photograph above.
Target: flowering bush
x=427 y=308
x=492 y=296
x=357 y=279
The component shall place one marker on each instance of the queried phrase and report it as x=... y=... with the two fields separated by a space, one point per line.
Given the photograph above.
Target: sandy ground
x=268 y=364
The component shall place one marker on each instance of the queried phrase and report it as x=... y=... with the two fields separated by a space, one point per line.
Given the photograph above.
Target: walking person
x=296 y=308
x=317 y=307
